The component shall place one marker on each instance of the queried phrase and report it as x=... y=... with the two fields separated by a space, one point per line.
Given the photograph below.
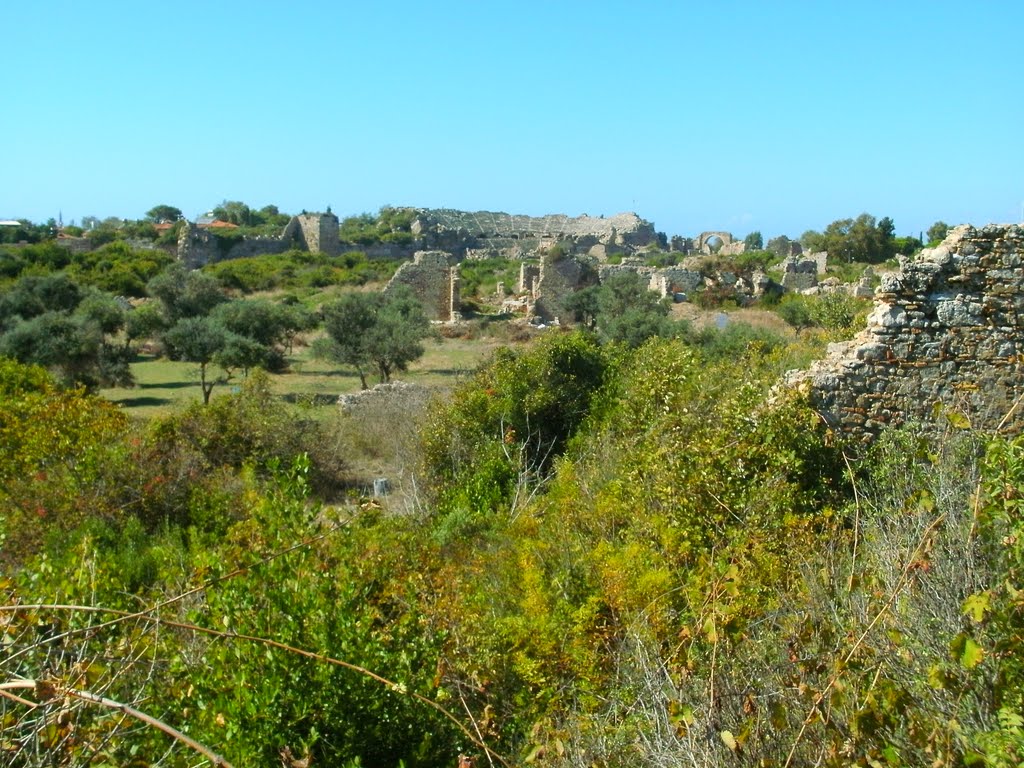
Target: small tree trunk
x=362 y=377
x=207 y=388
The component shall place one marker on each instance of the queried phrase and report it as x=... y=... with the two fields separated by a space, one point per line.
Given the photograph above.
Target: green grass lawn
x=163 y=386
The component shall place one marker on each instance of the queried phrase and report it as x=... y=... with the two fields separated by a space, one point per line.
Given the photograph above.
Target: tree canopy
x=937 y=232
x=52 y=321
x=621 y=309
x=862 y=239
x=159 y=213
x=374 y=330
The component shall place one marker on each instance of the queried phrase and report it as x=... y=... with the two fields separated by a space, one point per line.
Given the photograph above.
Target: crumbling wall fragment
x=946 y=334
x=434 y=280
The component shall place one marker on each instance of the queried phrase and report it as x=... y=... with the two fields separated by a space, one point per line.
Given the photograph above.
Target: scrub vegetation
x=620 y=545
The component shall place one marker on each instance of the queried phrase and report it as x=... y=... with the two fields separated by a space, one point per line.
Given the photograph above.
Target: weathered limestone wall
x=314 y=232
x=484 y=234
x=559 y=278
x=528 y=275
x=671 y=280
x=799 y=274
x=947 y=332
x=434 y=281
x=197 y=247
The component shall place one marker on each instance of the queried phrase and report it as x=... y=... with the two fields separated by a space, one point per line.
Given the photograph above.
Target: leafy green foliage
x=621 y=309
x=374 y=330
x=163 y=212
x=623 y=555
x=299 y=270
x=480 y=277
x=185 y=293
x=838 y=313
x=798 y=311
x=270 y=324
x=661 y=259
x=205 y=341
x=509 y=424
x=736 y=341
x=937 y=233
x=754 y=241
x=58 y=450
x=390 y=225
x=861 y=240
x=660 y=487
x=52 y=321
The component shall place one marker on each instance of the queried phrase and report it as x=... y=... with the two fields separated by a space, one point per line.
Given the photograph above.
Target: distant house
x=212 y=222
x=163 y=226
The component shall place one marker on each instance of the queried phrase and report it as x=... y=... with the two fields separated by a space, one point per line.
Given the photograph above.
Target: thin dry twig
x=144 y=616
x=863 y=636
x=51 y=693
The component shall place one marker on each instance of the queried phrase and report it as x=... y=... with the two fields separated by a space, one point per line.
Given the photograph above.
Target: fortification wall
x=197 y=247
x=946 y=334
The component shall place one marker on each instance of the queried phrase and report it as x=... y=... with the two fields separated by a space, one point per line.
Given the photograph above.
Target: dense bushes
x=115 y=268
x=621 y=557
x=299 y=270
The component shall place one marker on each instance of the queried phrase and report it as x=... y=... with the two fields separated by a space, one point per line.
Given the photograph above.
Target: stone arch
x=703 y=244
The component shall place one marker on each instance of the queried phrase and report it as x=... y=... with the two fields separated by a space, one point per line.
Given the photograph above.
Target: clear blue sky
x=778 y=117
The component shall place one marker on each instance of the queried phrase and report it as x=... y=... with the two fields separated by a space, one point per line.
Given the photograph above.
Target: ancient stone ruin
x=313 y=232
x=434 y=280
x=463 y=234
x=484 y=234
x=946 y=335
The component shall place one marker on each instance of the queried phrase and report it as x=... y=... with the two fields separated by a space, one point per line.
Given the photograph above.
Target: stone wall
x=559 y=278
x=485 y=234
x=799 y=274
x=528 y=275
x=197 y=247
x=947 y=333
x=671 y=280
x=434 y=280
x=314 y=232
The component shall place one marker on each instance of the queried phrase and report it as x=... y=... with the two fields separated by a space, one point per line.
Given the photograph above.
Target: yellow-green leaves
x=967 y=651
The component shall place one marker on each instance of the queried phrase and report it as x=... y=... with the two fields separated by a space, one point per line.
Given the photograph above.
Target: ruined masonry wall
x=559 y=278
x=947 y=330
x=434 y=282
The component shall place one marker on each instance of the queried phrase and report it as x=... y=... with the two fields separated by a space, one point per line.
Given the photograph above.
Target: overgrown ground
x=600 y=550
x=610 y=557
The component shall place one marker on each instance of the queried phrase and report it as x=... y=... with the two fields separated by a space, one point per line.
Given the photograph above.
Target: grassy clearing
x=163 y=386
x=762 y=319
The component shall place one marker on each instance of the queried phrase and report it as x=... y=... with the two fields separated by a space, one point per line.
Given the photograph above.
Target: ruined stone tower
x=315 y=232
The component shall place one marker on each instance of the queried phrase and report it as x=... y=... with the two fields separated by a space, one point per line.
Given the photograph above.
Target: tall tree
x=622 y=309
x=861 y=239
x=198 y=340
x=159 y=213
x=937 y=232
x=234 y=211
x=781 y=246
x=371 y=330
x=397 y=339
x=184 y=293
